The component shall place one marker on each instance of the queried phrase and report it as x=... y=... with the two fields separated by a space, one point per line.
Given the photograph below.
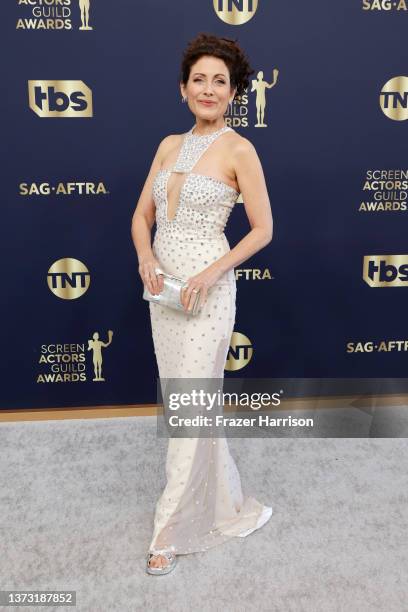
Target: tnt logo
x=394 y=98
x=240 y=352
x=60 y=98
x=68 y=278
x=386 y=270
x=235 y=12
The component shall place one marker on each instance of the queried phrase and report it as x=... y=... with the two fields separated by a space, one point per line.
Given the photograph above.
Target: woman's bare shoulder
x=240 y=144
x=168 y=143
x=171 y=139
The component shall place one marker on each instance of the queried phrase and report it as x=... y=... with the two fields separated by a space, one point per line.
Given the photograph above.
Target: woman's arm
x=142 y=223
x=251 y=181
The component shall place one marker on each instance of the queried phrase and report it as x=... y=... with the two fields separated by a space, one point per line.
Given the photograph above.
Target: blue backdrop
x=326 y=130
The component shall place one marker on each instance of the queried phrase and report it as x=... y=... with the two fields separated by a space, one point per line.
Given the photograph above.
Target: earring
x=184 y=99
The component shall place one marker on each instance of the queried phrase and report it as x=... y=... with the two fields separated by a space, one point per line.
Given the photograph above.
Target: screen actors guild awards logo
x=95 y=345
x=84 y=8
x=259 y=85
x=239 y=111
x=53 y=15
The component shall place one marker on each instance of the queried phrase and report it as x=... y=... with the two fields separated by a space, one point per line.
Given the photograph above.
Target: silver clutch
x=170 y=295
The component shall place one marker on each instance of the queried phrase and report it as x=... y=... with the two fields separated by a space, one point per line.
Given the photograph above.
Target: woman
x=193 y=183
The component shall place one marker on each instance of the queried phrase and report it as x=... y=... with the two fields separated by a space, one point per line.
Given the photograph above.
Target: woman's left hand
x=201 y=282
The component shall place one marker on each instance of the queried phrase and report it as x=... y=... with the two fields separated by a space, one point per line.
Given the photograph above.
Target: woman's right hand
x=154 y=282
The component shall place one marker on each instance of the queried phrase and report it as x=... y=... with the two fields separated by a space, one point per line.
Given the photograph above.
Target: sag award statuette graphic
x=259 y=85
x=84 y=8
x=96 y=345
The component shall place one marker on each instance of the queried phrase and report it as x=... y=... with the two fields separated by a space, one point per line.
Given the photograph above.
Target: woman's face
x=209 y=81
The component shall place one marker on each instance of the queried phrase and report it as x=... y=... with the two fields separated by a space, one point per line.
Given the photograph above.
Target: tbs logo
x=386 y=270
x=60 y=98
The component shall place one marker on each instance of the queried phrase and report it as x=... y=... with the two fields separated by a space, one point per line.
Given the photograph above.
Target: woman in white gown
x=193 y=184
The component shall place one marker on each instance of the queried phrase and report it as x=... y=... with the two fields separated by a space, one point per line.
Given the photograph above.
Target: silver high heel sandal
x=165 y=552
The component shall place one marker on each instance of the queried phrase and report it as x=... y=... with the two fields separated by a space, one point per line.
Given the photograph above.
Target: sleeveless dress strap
x=193 y=147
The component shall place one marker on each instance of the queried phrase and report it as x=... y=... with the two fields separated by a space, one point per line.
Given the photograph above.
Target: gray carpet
x=76 y=512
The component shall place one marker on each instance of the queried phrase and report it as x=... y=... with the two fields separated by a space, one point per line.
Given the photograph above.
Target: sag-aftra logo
x=60 y=98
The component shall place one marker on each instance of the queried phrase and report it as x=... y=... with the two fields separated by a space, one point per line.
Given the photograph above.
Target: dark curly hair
x=224 y=48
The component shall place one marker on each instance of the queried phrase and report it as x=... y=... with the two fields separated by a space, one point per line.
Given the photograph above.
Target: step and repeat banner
x=91 y=88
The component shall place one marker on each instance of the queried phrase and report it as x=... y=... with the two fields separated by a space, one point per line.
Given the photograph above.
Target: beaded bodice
x=204 y=203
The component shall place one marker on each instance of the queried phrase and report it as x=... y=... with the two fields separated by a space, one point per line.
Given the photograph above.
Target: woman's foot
x=158 y=561
x=161 y=561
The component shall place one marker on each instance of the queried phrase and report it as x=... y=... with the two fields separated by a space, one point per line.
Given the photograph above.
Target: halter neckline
x=224 y=127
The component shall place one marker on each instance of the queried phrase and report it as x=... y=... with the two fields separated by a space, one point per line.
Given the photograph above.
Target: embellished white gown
x=202 y=504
